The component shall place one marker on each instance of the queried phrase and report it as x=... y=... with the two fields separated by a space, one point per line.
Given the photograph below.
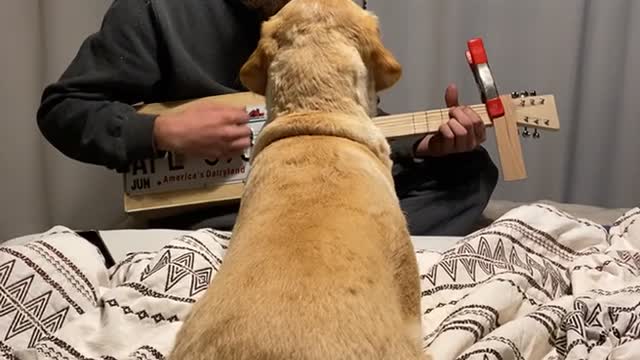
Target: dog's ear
x=254 y=72
x=385 y=67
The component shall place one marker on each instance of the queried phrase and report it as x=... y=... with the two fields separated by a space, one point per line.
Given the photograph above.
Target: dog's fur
x=320 y=264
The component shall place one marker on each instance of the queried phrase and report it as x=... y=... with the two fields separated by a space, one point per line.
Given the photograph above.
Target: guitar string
x=398 y=122
x=480 y=110
x=407 y=128
x=395 y=121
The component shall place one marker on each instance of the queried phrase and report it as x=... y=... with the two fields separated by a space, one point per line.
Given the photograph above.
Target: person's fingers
x=459 y=122
x=460 y=134
x=239 y=145
x=451 y=96
x=481 y=132
x=462 y=116
x=457 y=128
x=235 y=132
x=446 y=141
x=229 y=115
x=446 y=131
x=467 y=121
x=239 y=116
x=478 y=124
x=205 y=105
x=474 y=126
x=244 y=131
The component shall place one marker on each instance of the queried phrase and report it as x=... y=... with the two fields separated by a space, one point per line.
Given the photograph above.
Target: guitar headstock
x=535 y=111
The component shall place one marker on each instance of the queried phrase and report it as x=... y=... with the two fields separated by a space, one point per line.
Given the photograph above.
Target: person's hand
x=206 y=130
x=464 y=131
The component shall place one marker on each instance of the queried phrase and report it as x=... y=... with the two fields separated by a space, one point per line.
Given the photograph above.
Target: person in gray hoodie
x=163 y=50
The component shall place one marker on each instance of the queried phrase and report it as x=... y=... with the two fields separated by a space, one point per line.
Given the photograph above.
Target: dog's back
x=320 y=265
x=315 y=270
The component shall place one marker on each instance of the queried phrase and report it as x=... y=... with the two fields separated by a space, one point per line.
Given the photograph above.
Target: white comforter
x=537 y=284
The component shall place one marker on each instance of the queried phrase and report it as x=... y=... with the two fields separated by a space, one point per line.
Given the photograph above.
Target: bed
x=536 y=281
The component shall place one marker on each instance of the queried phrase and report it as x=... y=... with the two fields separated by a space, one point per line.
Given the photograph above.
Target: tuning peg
x=533 y=93
x=525 y=132
x=546 y=122
x=521 y=94
x=536 y=134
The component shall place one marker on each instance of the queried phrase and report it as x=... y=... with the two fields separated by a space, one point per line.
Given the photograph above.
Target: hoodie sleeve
x=88 y=114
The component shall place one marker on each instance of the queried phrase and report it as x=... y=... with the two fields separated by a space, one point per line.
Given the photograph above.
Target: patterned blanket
x=536 y=284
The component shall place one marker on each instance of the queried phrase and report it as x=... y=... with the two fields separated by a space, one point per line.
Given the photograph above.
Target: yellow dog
x=320 y=265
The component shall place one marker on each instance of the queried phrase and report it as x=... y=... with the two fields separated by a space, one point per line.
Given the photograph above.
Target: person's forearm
x=99 y=132
x=87 y=114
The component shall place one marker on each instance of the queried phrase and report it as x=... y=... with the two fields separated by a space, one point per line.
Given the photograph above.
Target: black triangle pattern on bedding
x=536 y=284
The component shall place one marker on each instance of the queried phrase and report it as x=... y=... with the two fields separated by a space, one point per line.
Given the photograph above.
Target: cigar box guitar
x=175 y=183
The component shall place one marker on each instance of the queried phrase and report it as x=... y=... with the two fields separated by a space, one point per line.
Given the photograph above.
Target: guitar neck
x=532 y=110
x=421 y=122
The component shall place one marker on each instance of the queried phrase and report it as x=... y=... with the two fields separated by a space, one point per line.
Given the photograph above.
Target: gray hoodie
x=148 y=51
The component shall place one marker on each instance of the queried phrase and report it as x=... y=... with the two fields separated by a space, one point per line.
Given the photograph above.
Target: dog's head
x=340 y=28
